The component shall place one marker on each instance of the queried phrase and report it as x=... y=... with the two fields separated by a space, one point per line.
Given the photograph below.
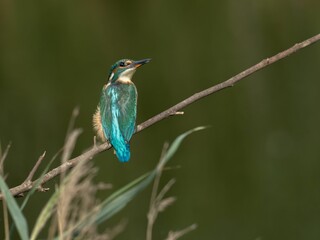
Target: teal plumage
x=115 y=118
x=118 y=106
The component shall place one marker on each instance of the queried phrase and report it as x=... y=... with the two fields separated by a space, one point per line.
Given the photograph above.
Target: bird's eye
x=121 y=64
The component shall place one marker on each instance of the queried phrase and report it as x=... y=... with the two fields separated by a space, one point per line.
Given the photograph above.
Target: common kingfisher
x=115 y=117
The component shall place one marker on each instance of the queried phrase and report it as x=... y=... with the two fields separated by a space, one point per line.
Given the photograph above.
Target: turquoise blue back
x=118 y=109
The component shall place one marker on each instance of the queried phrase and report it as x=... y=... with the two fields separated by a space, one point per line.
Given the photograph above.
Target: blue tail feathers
x=123 y=153
x=122 y=148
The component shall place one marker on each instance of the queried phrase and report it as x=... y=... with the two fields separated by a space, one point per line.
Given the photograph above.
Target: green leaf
x=15 y=211
x=122 y=197
x=176 y=144
x=119 y=199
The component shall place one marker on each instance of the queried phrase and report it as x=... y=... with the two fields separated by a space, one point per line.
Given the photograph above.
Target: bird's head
x=124 y=69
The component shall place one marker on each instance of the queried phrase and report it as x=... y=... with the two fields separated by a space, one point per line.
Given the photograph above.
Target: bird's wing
x=128 y=110
x=118 y=105
x=105 y=111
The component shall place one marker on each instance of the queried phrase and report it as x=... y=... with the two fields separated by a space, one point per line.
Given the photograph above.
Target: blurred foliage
x=74 y=210
x=255 y=173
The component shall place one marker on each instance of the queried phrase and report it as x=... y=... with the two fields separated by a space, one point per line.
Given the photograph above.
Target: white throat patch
x=126 y=75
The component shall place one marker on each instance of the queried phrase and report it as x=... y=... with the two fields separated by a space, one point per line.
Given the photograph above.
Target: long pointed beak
x=139 y=63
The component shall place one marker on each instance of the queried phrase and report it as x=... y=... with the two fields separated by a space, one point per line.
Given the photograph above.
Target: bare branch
x=228 y=83
x=174 y=110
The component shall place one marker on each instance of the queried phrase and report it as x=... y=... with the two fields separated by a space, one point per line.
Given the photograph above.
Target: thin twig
x=172 y=111
x=35 y=168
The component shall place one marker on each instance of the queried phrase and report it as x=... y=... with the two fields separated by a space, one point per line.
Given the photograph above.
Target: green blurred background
x=255 y=174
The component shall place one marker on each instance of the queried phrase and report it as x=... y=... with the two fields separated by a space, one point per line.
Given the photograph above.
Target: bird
x=115 y=117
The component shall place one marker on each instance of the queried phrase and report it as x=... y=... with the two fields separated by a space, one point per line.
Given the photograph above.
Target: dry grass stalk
x=158 y=203
x=77 y=200
x=173 y=235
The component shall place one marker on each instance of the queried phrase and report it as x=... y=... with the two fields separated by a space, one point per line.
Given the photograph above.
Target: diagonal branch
x=16 y=191
x=228 y=83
